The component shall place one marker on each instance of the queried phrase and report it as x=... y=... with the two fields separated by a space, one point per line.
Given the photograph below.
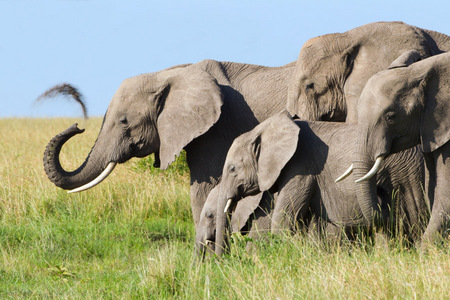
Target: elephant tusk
x=346 y=173
x=372 y=171
x=228 y=205
x=97 y=180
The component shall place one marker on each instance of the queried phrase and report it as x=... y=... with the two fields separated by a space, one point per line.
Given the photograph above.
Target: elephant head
x=206 y=229
x=253 y=164
x=332 y=69
x=400 y=108
x=150 y=113
x=316 y=90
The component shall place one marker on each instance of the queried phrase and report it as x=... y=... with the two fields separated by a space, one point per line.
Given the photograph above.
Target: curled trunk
x=92 y=167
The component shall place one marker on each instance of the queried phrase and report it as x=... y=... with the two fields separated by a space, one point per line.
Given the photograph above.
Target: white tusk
x=346 y=173
x=228 y=205
x=372 y=171
x=97 y=180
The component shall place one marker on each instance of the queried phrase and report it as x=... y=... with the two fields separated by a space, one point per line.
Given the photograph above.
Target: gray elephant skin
x=200 y=107
x=300 y=161
x=333 y=69
x=403 y=106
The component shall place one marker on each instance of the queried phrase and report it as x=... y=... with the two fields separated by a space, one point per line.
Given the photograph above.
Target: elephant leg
x=260 y=222
x=413 y=214
x=292 y=204
x=402 y=178
x=333 y=234
x=314 y=228
x=439 y=193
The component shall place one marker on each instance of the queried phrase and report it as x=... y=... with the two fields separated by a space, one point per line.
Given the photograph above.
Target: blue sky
x=96 y=44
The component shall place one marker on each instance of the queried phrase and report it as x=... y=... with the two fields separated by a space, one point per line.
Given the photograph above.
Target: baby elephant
x=299 y=161
x=249 y=217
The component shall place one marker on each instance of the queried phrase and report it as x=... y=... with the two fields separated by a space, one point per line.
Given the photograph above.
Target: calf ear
x=191 y=103
x=244 y=208
x=404 y=60
x=278 y=143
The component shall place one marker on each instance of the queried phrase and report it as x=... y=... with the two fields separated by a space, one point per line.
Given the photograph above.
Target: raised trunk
x=366 y=191
x=87 y=172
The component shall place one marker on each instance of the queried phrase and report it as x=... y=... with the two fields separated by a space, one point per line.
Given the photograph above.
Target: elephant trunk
x=222 y=224
x=366 y=191
x=94 y=165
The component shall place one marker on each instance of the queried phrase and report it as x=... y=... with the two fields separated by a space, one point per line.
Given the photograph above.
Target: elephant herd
x=266 y=146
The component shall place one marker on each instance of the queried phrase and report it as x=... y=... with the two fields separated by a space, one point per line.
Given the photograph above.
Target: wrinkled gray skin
x=300 y=161
x=401 y=107
x=200 y=107
x=332 y=69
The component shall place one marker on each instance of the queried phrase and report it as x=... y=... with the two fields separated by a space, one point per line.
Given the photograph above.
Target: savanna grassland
x=132 y=237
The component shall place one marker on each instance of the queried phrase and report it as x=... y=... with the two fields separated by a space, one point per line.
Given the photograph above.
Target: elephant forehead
x=389 y=83
x=237 y=149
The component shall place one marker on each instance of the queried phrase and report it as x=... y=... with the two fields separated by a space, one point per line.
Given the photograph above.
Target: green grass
x=132 y=237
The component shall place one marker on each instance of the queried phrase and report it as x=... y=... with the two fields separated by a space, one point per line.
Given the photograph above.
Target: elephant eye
x=232 y=168
x=309 y=86
x=123 y=120
x=209 y=215
x=390 y=117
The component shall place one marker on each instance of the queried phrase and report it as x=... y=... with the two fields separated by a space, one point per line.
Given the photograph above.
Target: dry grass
x=132 y=237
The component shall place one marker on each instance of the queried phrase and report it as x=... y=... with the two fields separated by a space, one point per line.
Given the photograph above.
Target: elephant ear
x=348 y=59
x=244 y=209
x=404 y=60
x=435 y=121
x=275 y=146
x=191 y=105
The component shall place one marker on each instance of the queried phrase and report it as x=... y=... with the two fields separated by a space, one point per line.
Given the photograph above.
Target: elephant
x=332 y=69
x=400 y=107
x=298 y=161
x=197 y=107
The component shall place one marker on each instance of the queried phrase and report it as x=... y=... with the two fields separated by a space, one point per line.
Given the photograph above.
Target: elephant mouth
x=134 y=150
x=208 y=246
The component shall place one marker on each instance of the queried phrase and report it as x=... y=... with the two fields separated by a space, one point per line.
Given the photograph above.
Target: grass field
x=132 y=237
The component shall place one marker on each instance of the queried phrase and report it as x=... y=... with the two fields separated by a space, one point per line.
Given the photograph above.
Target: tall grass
x=132 y=237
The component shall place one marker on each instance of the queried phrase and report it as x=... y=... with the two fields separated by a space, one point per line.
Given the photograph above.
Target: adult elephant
x=200 y=107
x=333 y=69
x=299 y=161
x=401 y=107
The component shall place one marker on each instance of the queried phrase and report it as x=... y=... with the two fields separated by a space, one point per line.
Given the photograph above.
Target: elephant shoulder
x=217 y=69
x=310 y=142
